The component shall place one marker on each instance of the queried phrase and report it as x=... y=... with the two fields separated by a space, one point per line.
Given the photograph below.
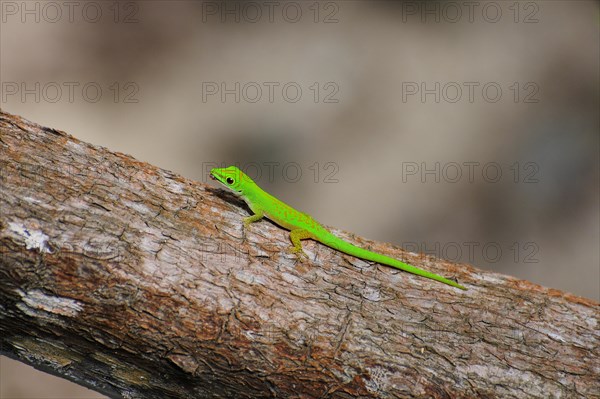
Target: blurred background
x=464 y=130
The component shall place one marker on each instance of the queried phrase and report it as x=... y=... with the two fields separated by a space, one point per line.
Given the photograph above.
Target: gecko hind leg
x=295 y=237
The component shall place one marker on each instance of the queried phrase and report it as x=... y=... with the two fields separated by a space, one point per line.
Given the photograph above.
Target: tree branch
x=136 y=282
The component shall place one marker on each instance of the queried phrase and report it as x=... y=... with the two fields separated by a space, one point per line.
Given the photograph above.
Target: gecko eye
x=229 y=180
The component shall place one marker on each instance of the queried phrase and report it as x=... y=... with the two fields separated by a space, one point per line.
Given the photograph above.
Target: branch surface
x=137 y=282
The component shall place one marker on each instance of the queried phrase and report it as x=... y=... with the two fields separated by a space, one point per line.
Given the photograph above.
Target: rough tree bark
x=136 y=282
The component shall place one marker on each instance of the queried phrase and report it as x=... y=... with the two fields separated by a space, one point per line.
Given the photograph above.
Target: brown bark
x=137 y=282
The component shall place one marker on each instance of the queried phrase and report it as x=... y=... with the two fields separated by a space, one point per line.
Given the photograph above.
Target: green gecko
x=301 y=225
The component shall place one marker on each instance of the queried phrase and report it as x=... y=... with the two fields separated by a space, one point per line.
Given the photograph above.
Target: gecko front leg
x=258 y=215
x=254 y=218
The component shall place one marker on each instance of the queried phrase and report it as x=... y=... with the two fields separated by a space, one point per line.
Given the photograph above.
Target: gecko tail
x=347 y=248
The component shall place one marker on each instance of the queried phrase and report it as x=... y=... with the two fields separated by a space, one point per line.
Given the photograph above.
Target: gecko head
x=230 y=177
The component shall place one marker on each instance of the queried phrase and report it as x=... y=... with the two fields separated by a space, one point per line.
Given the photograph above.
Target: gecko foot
x=300 y=254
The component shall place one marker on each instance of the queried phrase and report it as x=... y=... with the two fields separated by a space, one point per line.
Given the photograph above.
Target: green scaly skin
x=301 y=225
